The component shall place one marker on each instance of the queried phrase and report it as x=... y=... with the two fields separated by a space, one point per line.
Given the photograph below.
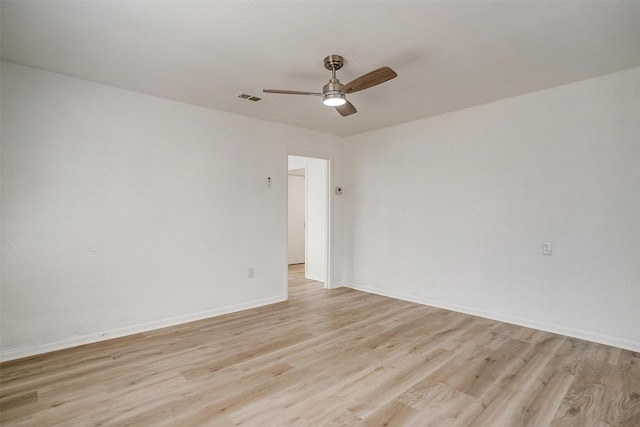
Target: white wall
x=122 y=212
x=316 y=214
x=296 y=219
x=452 y=210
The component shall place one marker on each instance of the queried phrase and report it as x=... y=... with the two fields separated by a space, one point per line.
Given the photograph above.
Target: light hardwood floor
x=340 y=358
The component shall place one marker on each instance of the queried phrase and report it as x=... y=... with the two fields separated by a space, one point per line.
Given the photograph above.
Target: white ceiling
x=448 y=54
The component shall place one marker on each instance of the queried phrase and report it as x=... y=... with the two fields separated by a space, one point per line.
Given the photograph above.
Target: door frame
x=328 y=282
x=306 y=172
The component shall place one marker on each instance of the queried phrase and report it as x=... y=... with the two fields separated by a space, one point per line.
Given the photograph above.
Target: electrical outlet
x=546 y=248
x=250 y=273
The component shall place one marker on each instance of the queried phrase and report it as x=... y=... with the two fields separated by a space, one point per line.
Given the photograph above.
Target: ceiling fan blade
x=290 y=92
x=368 y=80
x=346 y=109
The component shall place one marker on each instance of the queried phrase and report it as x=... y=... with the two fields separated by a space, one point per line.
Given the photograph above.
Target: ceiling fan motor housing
x=332 y=93
x=332 y=86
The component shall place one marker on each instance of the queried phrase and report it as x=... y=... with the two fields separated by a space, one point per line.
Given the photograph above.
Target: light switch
x=546 y=248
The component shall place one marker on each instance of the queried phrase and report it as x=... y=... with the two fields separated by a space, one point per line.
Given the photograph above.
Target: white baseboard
x=149 y=326
x=314 y=277
x=547 y=327
x=19 y=353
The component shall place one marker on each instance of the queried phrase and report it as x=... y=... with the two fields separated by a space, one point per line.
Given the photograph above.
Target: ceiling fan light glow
x=334 y=99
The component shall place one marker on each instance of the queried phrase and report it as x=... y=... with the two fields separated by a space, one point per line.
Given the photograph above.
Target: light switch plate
x=546 y=248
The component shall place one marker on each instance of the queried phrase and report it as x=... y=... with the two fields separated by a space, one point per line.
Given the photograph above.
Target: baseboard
x=528 y=323
x=314 y=277
x=19 y=353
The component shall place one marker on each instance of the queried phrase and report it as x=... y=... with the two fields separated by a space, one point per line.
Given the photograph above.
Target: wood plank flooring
x=328 y=358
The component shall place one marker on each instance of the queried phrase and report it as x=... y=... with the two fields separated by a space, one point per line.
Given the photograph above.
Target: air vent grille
x=249 y=97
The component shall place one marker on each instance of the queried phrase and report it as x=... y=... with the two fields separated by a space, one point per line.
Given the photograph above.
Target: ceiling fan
x=334 y=93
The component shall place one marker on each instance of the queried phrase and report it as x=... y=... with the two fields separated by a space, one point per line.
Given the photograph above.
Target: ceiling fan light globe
x=334 y=99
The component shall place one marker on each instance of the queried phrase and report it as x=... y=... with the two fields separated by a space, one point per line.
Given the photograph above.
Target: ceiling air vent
x=249 y=97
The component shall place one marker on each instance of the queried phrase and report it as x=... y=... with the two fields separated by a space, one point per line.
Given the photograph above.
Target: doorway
x=308 y=217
